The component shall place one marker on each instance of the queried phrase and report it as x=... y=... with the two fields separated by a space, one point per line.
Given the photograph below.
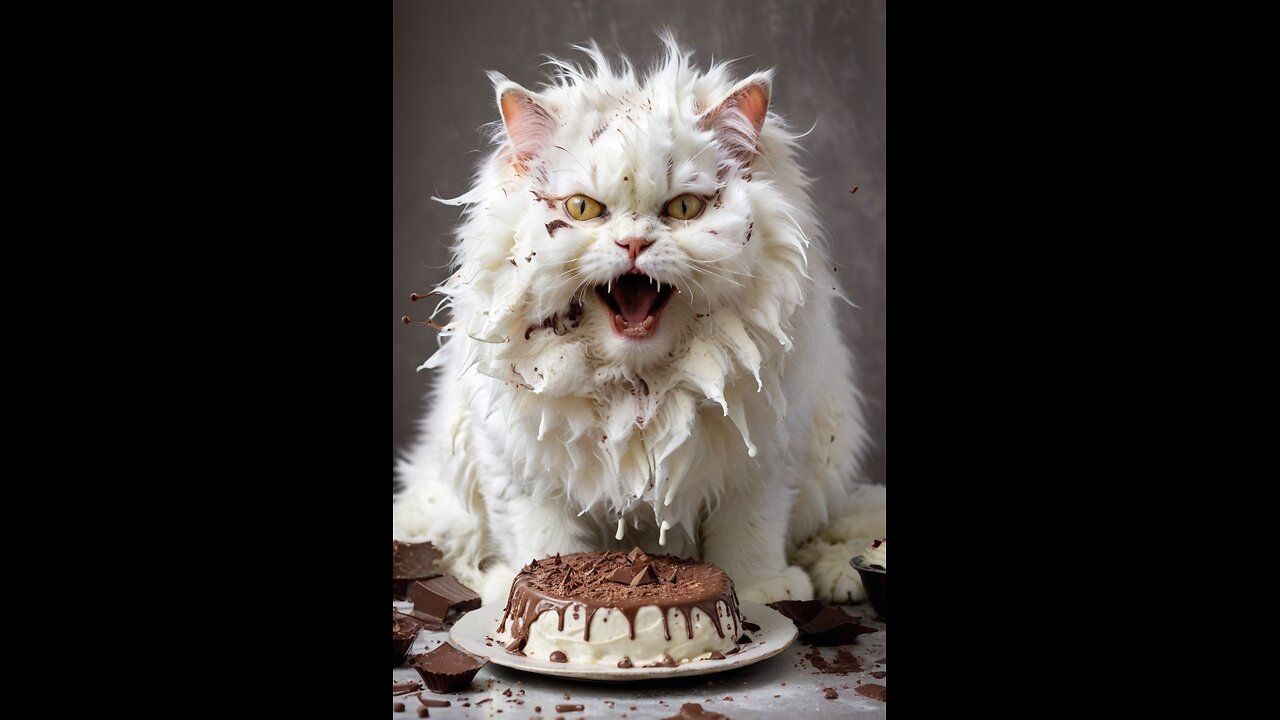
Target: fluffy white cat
x=643 y=347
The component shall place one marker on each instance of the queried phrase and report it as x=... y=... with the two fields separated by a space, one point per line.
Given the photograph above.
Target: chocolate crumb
x=830 y=693
x=481 y=702
x=432 y=703
x=744 y=639
x=729 y=699
x=624 y=663
x=559 y=657
x=875 y=692
x=423 y=712
x=569 y=708
x=398 y=707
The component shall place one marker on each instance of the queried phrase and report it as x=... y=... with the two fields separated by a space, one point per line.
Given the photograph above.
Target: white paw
x=497 y=583
x=792 y=584
x=835 y=581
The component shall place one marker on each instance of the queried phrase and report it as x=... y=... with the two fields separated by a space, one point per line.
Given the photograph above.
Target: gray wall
x=830 y=61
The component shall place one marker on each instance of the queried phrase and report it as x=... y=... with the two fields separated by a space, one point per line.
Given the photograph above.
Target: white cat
x=643 y=347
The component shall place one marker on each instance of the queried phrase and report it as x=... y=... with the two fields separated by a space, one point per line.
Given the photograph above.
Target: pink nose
x=634 y=246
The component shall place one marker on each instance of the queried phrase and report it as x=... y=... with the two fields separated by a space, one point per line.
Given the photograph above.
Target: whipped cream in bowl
x=873 y=567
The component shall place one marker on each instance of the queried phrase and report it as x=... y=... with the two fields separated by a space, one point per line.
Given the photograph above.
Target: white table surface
x=752 y=688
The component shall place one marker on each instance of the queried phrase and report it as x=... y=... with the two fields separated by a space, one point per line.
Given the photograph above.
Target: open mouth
x=634 y=304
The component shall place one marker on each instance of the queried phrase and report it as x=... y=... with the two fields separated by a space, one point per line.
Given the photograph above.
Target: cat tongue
x=635 y=296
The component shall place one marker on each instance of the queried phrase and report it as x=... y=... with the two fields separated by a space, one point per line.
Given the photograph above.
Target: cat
x=643 y=347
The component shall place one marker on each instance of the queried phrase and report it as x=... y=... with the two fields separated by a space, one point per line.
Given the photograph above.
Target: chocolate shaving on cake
x=622 y=575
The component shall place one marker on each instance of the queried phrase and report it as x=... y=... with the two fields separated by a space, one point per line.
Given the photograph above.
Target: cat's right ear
x=529 y=124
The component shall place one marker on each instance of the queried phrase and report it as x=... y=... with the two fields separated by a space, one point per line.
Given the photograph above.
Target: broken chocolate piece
x=559 y=657
x=875 y=692
x=404 y=688
x=745 y=639
x=398 y=707
x=644 y=577
x=694 y=711
x=822 y=624
x=423 y=712
x=622 y=575
x=435 y=598
x=830 y=693
x=447 y=669
x=404 y=630
x=430 y=702
x=409 y=562
x=844 y=664
x=637 y=554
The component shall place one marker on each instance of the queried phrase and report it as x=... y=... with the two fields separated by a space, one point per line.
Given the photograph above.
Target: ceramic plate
x=775 y=635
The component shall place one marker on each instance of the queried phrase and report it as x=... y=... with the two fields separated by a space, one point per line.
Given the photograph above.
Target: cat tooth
x=648 y=323
x=618 y=319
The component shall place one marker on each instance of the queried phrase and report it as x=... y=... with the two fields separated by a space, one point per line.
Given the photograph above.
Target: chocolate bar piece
x=404 y=630
x=433 y=599
x=822 y=624
x=409 y=562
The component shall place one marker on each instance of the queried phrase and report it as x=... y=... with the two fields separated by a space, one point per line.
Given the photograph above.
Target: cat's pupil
x=683 y=210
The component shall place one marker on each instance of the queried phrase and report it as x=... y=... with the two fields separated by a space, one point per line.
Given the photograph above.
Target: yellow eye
x=685 y=207
x=581 y=207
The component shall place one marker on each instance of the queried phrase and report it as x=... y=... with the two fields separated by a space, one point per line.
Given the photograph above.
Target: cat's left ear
x=529 y=124
x=740 y=116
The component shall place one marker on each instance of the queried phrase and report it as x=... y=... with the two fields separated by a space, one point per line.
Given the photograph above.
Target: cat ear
x=530 y=125
x=738 y=118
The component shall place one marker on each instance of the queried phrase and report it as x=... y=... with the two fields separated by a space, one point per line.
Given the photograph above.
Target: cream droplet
x=619 y=535
x=662 y=533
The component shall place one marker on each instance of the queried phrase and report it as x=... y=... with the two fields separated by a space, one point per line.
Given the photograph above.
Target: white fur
x=737 y=427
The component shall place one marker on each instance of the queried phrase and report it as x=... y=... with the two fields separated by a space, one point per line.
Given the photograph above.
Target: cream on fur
x=733 y=434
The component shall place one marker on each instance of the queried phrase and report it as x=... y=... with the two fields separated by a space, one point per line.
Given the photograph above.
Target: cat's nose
x=634 y=246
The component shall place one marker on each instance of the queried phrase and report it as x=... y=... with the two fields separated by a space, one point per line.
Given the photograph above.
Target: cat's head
x=631 y=226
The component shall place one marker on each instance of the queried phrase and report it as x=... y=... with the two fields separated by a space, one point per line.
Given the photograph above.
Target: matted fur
x=733 y=434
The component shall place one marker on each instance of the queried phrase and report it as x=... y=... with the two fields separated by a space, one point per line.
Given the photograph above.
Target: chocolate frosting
x=586 y=582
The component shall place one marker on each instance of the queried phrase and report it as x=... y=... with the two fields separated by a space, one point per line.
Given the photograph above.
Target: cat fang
x=633 y=303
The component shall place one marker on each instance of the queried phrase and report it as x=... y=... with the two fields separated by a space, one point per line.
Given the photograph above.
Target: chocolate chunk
x=569 y=708
x=844 y=664
x=745 y=639
x=665 y=661
x=875 y=692
x=751 y=626
x=622 y=575
x=644 y=577
x=635 y=553
x=423 y=712
x=822 y=624
x=430 y=702
x=717 y=655
x=624 y=663
x=403 y=688
x=447 y=669
x=409 y=562
x=507 y=692
x=830 y=693
x=694 y=711
x=404 y=630
x=435 y=598
x=398 y=707
x=559 y=657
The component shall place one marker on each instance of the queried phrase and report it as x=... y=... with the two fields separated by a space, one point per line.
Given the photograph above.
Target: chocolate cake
x=623 y=610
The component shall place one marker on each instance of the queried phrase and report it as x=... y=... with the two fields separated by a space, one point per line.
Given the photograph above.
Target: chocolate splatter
x=875 y=692
x=555 y=225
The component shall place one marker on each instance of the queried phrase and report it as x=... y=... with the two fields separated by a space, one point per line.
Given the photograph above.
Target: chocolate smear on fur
x=550 y=201
x=573 y=585
x=555 y=225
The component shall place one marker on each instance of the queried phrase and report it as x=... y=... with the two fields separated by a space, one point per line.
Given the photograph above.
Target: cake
x=628 y=610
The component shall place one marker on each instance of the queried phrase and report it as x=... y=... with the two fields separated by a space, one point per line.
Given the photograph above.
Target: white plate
x=776 y=633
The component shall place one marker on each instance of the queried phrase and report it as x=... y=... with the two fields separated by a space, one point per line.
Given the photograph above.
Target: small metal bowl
x=873 y=579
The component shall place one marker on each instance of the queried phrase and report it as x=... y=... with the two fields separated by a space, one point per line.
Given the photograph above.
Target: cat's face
x=623 y=219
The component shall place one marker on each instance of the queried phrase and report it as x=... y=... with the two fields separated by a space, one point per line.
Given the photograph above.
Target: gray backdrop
x=830 y=61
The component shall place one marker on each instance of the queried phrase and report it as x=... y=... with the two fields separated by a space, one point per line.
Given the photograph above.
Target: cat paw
x=791 y=584
x=497 y=583
x=835 y=581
